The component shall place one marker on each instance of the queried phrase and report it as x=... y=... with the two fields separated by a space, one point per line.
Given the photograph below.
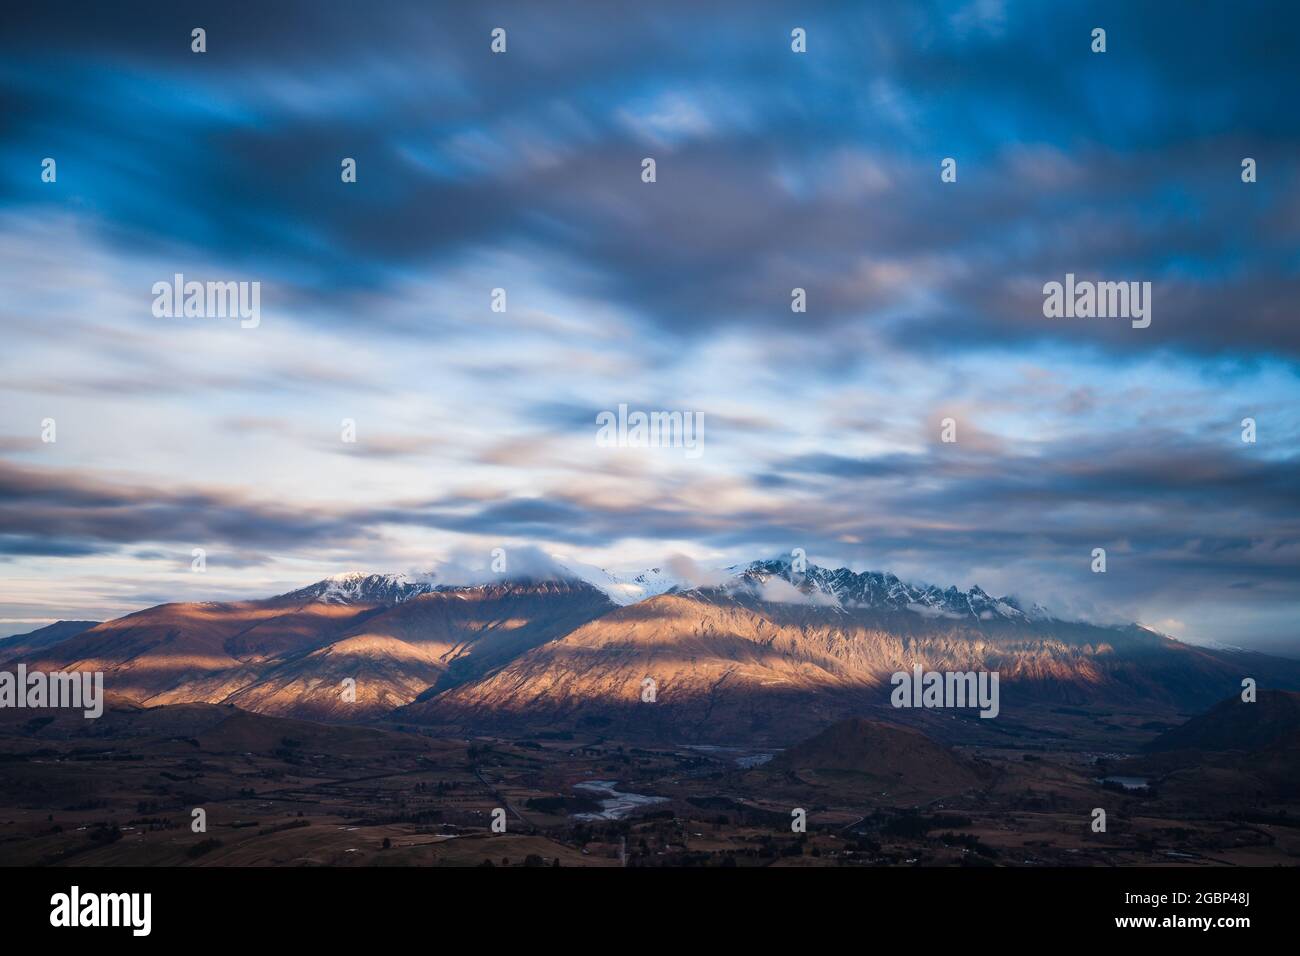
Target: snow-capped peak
x=881 y=590
x=360 y=587
x=628 y=587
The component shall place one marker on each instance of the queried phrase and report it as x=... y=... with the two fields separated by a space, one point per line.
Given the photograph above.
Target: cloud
x=41 y=508
x=760 y=190
x=522 y=563
x=780 y=591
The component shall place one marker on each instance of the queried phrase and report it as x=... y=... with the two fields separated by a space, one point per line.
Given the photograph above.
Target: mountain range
x=759 y=652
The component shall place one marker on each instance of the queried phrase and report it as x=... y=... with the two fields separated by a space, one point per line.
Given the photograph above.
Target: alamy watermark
x=208 y=300
x=946 y=689
x=77 y=690
x=1102 y=300
x=659 y=429
x=75 y=908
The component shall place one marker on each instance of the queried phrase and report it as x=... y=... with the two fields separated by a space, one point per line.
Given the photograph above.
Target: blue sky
x=521 y=171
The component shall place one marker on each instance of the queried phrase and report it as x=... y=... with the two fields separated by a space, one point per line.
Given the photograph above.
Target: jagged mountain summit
x=881 y=590
x=360 y=587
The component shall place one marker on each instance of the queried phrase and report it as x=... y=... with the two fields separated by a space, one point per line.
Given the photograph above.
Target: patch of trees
x=971 y=842
x=918 y=824
x=291 y=825
x=105 y=833
x=202 y=847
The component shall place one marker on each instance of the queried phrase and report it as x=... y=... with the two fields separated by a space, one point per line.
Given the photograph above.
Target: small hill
x=1273 y=719
x=1235 y=757
x=892 y=757
x=241 y=731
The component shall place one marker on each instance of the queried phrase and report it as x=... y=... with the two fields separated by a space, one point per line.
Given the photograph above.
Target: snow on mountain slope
x=624 y=588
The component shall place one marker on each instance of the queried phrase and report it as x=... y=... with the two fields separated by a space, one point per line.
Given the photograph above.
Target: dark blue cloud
x=1123 y=164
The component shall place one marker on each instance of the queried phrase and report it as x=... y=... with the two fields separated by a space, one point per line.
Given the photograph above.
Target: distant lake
x=744 y=757
x=1128 y=783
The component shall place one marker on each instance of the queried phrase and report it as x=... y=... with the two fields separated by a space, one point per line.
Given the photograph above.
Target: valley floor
x=291 y=793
